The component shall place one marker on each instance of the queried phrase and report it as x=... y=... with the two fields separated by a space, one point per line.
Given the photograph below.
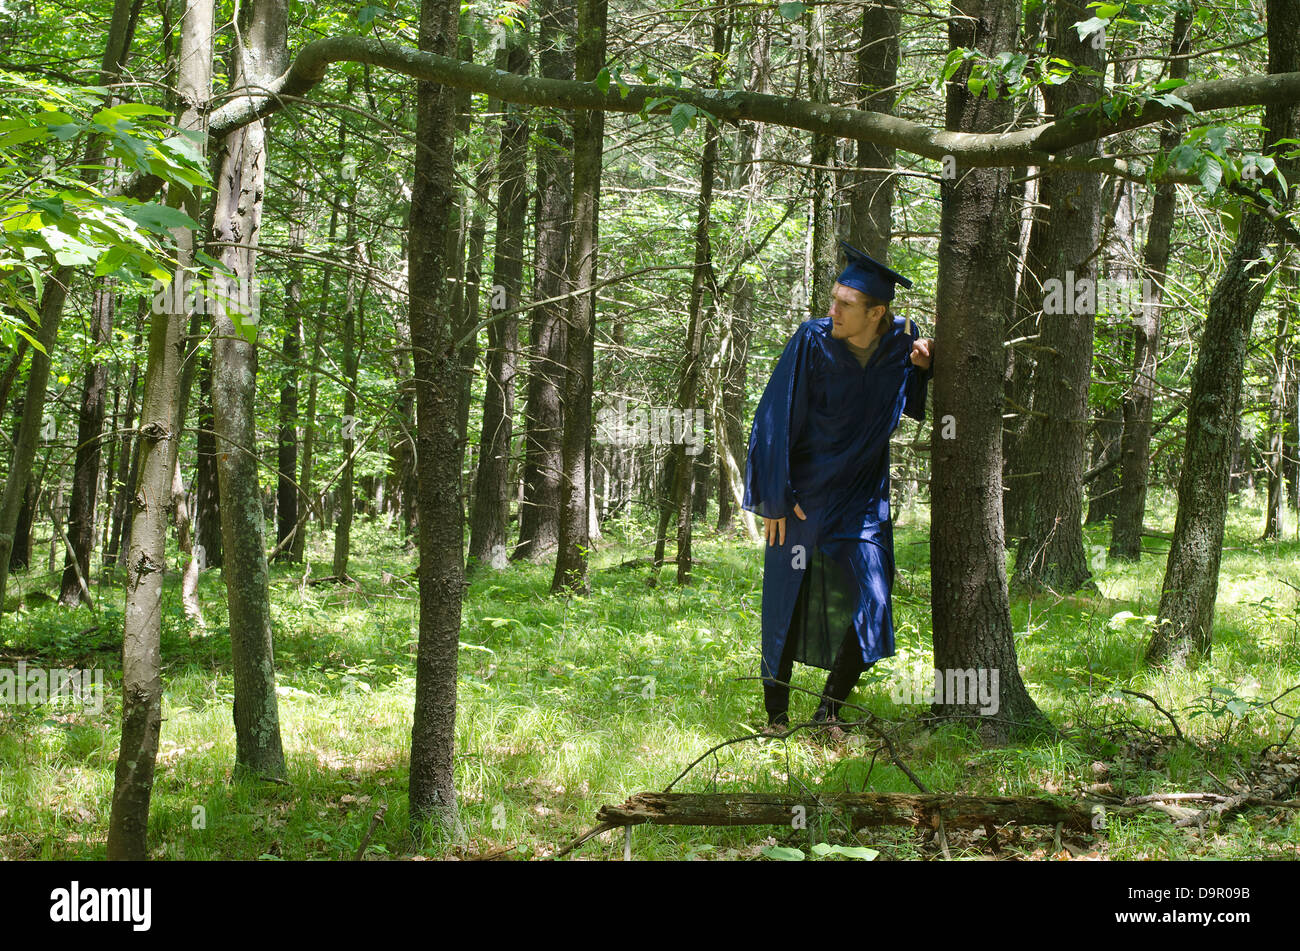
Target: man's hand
x=775 y=527
x=923 y=352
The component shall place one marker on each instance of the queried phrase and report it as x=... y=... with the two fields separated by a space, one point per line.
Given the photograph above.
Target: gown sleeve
x=917 y=382
x=778 y=421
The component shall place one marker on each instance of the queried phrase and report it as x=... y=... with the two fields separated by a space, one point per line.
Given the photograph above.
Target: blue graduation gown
x=821 y=438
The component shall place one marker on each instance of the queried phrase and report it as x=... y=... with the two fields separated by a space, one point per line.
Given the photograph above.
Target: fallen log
x=857 y=810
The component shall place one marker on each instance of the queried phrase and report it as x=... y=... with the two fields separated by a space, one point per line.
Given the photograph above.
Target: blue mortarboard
x=868 y=275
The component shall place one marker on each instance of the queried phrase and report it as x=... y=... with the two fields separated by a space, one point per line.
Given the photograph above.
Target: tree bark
x=351 y=362
x=698 y=320
x=972 y=616
x=1063 y=249
x=1139 y=403
x=432 y=793
x=539 y=529
x=286 y=495
x=857 y=810
x=1186 y=614
x=157 y=445
x=90 y=428
x=237 y=220
x=1278 y=423
x=490 y=516
x=571 y=566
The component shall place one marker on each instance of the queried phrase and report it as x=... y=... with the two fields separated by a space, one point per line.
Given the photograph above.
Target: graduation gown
x=821 y=438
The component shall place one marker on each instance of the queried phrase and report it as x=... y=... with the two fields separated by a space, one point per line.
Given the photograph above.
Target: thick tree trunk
x=571 y=565
x=539 y=529
x=871 y=202
x=432 y=794
x=823 y=236
x=1062 y=250
x=241 y=186
x=972 y=617
x=1186 y=614
x=490 y=516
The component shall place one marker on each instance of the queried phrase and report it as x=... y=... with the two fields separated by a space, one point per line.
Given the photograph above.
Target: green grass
x=568 y=704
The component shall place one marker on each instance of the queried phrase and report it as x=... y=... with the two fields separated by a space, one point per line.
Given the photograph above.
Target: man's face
x=849 y=314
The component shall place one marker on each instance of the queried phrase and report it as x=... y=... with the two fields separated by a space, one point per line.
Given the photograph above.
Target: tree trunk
x=972 y=617
x=688 y=391
x=490 y=517
x=1186 y=614
x=871 y=203
x=1063 y=250
x=345 y=486
x=1135 y=443
x=237 y=220
x=307 y=501
x=539 y=529
x=571 y=565
x=432 y=794
x=286 y=496
x=1278 y=423
x=156 y=445
x=1103 y=492
x=29 y=430
x=85 y=474
x=824 y=238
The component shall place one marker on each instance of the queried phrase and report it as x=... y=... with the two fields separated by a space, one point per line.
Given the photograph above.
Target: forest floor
x=567 y=704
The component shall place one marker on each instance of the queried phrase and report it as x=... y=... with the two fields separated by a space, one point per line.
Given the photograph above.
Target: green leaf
x=792 y=10
x=681 y=116
x=158 y=218
x=783 y=854
x=1169 y=99
x=602 y=80
x=1211 y=174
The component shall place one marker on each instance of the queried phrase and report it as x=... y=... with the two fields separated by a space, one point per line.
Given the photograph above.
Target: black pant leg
x=845 y=673
x=776 y=696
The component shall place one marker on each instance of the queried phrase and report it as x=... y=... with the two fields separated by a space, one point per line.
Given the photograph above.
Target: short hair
x=870 y=302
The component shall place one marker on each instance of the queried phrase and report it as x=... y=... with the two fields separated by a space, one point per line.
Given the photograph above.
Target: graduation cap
x=868 y=275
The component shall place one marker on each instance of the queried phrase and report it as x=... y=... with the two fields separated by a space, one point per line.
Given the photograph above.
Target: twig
x=590 y=833
x=365 y=841
x=1177 y=732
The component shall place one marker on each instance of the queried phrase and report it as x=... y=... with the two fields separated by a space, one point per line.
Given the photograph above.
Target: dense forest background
x=373 y=527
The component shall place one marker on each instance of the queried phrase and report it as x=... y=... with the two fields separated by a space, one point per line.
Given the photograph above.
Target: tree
x=241 y=184
x=1185 y=618
x=972 y=615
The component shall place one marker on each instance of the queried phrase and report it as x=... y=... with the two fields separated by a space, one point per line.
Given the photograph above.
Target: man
x=819 y=451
